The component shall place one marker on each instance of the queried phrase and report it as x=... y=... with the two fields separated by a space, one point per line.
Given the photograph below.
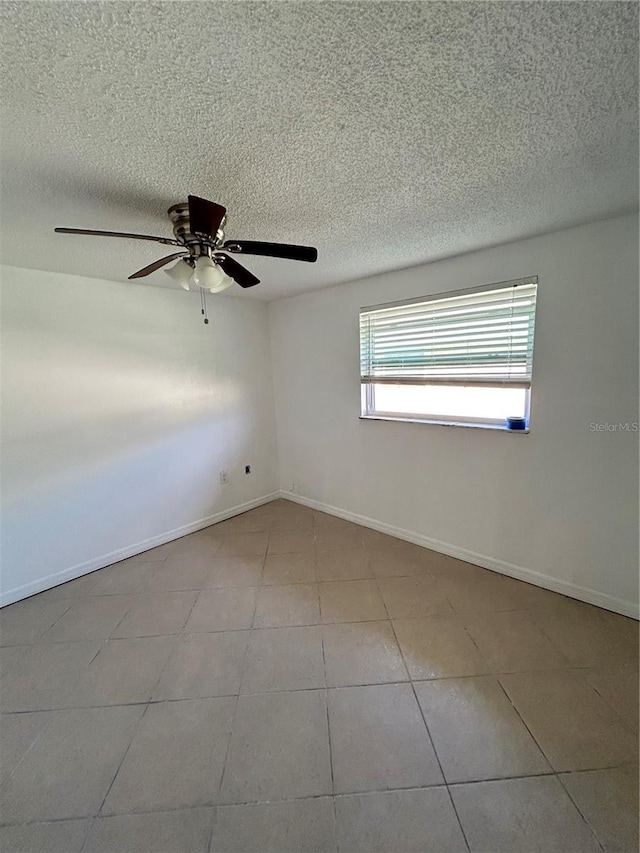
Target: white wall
x=558 y=506
x=119 y=409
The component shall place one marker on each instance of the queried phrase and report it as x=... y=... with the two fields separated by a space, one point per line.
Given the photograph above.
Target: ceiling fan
x=204 y=261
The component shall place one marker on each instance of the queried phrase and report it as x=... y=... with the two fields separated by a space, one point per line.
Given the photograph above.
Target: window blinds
x=481 y=336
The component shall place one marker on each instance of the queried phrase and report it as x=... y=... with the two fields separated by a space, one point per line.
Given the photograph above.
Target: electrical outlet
x=247 y=469
x=224 y=477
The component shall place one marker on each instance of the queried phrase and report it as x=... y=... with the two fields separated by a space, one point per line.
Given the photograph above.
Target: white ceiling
x=386 y=134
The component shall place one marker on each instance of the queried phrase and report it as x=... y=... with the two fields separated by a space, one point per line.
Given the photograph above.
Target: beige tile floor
x=288 y=681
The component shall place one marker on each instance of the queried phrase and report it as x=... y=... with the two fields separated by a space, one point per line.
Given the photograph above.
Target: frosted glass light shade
x=223 y=285
x=180 y=272
x=209 y=276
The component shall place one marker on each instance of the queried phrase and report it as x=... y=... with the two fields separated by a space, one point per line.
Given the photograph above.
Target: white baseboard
x=582 y=593
x=39 y=585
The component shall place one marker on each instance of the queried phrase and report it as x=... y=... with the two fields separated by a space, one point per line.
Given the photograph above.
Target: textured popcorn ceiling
x=386 y=134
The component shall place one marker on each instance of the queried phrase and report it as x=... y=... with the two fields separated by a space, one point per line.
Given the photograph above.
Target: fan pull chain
x=204 y=306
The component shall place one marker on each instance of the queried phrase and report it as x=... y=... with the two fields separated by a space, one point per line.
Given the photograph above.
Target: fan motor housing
x=179 y=216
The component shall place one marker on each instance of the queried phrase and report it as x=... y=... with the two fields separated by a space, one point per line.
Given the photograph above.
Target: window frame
x=367 y=388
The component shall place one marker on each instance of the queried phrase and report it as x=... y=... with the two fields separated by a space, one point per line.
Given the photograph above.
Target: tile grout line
x=496 y=672
x=524 y=722
x=336 y=843
x=542 y=774
x=212 y=828
x=87 y=834
x=331 y=770
x=163 y=668
x=580 y=812
x=213 y=805
x=583 y=671
x=544 y=633
x=396 y=683
x=182 y=632
x=245 y=664
x=433 y=746
x=363 y=793
x=580 y=673
x=473 y=641
x=29 y=748
x=167 y=809
x=435 y=752
x=104 y=642
x=126 y=613
x=326 y=697
x=98 y=813
x=55 y=621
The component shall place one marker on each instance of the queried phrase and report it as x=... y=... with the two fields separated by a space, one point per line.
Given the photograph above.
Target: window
x=460 y=358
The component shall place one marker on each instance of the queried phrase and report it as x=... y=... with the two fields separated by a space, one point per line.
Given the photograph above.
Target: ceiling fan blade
x=167 y=240
x=236 y=271
x=205 y=217
x=272 y=250
x=157 y=264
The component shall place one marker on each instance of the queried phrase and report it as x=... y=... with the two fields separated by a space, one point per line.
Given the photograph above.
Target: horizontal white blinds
x=480 y=336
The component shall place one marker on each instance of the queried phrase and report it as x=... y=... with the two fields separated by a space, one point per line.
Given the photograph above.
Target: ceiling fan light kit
x=204 y=262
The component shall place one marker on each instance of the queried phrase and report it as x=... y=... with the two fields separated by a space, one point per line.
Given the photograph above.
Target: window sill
x=495 y=427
